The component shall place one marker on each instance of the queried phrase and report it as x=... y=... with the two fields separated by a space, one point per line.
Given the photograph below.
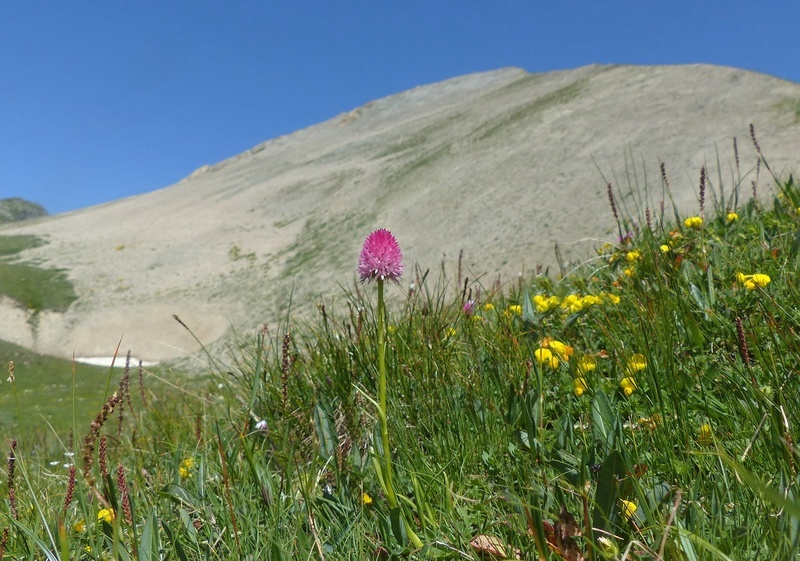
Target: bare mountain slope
x=500 y=164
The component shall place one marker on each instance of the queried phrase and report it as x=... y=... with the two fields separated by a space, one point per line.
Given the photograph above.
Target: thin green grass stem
x=382 y=383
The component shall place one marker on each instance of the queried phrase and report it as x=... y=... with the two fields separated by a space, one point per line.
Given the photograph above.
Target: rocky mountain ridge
x=501 y=164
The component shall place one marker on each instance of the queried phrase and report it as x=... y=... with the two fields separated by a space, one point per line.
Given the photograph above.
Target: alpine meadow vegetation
x=641 y=406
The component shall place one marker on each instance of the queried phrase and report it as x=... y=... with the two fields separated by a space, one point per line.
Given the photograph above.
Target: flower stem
x=387 y=453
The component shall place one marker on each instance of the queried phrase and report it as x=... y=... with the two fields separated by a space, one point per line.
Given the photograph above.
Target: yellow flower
x=579 y=386
x=488 y=306
x=636 y=363
x=185 y=469
x=514 y=309
x=627 y=384
x=587 y=363
x=605 y=248
x=559 y=349
x=693 y=222
x=451 y=331
x=613 y=298
x=633 y=256
x=628 y=509
x=591 y=300
x=629 y=272
x=705 y=435
x=366 y=500
x=751 y=282
x=664 y=248
x=79 y=526
x=544 y=305
x=390 y=328
x=574 y=303
x=106 y=514
x=732 y=217
x=545 y=356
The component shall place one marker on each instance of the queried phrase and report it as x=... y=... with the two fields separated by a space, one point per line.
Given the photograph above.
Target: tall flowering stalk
x=381 y=260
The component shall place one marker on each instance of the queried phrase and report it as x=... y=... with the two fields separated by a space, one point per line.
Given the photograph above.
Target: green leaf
x=398 y=524
x=795 y=247
x=694 y=336
x=326 y=432
x=606 y=498
x=178 y=494
x=712 y=294
x=698 y=297
x=150 y=547
x=603 y=419
x=176 y=543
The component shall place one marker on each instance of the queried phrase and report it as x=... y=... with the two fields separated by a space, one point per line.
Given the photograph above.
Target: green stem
x=387 y=453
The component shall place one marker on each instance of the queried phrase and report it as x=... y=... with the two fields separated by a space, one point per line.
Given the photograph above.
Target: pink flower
x=380 y=257
x=469 y=307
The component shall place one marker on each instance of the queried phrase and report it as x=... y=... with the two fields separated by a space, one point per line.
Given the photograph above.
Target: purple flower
x=469 y=307
x=380 y=257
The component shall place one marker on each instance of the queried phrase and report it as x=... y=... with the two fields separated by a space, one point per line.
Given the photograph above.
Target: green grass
x=789 y=106
x=33 y=287
x=518 y=116
x=11 y=245
x=40 y=401
x=314 y=247
x=656 y=376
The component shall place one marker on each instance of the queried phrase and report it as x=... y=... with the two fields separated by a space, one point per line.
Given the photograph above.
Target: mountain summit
x=501 y=164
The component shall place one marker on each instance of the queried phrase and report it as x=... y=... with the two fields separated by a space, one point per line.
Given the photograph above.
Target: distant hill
x=501 y=164
x=16 y=209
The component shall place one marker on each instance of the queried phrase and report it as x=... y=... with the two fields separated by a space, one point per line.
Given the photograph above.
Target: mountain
x=501 y=164
x=15 y=209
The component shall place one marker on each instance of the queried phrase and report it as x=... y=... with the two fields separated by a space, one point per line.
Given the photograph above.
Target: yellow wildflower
x=628 y=509
x=488 y=306
x=751 y=282
x=591 y=300
x=664 y=248
x=545 y=356
x=451 y=332
x=732 y=217
x=633 y=256
x=79 y=526
x=543 y=304
x=636 y=363
x=185 y=469
x=106 y=514
x=629 y=272
x=587 y=363
x=705 y=435
x=559 y=349
x=613 y=298
x=627 y=384
x=366 y=500
x=693 y=222
x=512 y=310
x=579 y=386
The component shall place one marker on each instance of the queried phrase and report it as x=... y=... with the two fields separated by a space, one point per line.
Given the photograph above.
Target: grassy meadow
x=643 y=406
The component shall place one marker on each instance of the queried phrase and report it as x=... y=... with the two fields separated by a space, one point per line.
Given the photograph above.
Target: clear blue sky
x=105 y=99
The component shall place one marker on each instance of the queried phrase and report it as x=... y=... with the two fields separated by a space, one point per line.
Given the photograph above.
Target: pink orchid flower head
x=380 y=257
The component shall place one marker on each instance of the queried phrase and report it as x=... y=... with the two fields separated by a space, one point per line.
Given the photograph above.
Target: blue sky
x=103 y=100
